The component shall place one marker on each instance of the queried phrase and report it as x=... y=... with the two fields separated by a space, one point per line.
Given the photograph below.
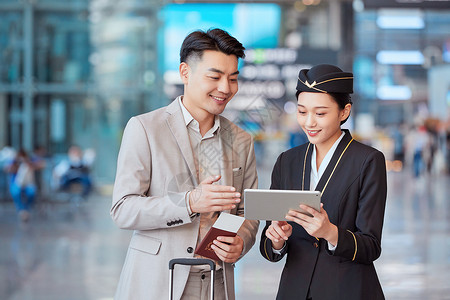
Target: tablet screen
x=274 y=204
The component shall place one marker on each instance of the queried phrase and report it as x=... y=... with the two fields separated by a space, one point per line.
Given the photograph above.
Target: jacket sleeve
x=249 y=228
x=363 y=244
x=131 y=207
x=265 y=246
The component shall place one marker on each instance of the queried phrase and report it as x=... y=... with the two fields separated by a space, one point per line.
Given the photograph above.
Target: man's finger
x=226 y=239
x=229 y=252
x=225 y=256
x=223 y=245
x=222 y=207
x=225 y=195
x=222 y=188
x=222 y=201
x=211 y=179
x=229 y=239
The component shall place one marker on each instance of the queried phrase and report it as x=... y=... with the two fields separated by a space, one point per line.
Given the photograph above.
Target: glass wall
x=74 y=72
x=396 y=49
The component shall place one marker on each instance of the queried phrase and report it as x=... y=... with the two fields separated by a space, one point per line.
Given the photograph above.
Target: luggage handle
x=191 y=262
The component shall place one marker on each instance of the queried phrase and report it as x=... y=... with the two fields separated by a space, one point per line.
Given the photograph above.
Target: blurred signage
x=253 y=24
x=304 y=56
x=266 y=73
x=272 y=73
x=394 y=92
x=407 y=3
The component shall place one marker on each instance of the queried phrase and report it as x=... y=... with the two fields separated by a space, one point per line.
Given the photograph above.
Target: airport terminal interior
x=73 y=72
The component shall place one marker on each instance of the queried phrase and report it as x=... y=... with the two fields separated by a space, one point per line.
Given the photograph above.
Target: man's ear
x=184 y=72
x=345 y=113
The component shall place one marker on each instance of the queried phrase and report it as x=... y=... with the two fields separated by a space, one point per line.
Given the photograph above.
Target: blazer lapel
x=340 y=148
x=228 y=155
x=306 y=168
x=175 y=121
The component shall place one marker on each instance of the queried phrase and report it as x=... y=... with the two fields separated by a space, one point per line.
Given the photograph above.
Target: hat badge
x=310 y=85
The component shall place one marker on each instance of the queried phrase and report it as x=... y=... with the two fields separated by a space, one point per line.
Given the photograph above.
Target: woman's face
x=320 y=118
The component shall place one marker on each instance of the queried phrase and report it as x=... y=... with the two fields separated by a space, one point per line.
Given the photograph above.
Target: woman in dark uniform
x=329 y=255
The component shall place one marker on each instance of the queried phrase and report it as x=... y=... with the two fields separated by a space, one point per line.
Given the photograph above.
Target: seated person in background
x=21 y=171
x=39 y=157
x=75 y=169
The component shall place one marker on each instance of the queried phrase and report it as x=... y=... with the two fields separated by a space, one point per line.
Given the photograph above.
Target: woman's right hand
x=278 y=232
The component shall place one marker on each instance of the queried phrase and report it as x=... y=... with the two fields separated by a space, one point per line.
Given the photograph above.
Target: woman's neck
x=323 y=148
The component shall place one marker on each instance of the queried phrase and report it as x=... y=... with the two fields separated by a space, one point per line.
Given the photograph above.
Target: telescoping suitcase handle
x=191 y=262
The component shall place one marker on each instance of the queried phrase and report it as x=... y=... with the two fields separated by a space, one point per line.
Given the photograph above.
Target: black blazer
x=354 y=198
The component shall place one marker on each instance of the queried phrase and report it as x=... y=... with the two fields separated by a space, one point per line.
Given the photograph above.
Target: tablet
x=274 y=204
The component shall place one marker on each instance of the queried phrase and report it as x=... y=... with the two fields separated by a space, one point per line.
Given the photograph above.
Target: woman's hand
x=278 y=232
x=318 y=225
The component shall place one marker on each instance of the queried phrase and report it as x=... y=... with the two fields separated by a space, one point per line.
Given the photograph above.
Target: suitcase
x=191 y=262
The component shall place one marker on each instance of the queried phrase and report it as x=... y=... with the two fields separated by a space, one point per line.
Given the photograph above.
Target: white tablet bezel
x=260 y=204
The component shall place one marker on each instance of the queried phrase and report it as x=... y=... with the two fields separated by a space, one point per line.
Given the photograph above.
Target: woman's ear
x=345 y=113
x=184 y=72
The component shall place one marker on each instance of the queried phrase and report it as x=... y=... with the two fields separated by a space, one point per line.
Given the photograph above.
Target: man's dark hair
x=213 y=39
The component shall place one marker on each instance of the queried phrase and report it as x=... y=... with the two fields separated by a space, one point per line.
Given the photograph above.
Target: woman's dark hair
x=342 y=99
x=213 y=39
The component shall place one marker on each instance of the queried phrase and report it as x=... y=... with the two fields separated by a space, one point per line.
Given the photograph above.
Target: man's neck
x=205 y=124
x=204 y=118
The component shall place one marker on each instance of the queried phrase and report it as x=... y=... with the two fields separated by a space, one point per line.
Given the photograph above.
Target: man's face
x=209 y=83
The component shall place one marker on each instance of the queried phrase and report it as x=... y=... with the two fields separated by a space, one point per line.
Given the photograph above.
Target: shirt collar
x=186 y=115
x=188 y=118
x=316 y=174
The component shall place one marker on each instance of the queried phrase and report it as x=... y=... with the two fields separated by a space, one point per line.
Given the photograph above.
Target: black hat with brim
x=325 y=79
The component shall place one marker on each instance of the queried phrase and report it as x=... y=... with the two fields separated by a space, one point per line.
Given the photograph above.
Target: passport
x=225 y=225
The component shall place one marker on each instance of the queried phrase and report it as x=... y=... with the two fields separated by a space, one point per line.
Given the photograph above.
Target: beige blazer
x=155 y=169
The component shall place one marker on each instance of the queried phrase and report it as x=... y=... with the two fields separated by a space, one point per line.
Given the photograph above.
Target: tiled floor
x=69 y=252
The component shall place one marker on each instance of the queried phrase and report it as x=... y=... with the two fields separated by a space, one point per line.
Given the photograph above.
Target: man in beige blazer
x=178 y=168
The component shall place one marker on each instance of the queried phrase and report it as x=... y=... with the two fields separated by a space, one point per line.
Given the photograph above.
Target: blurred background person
x=397 y=135
x=22 y=184
x=7 y=154
x=418 y=145
x=40 y=158
x=75 y=169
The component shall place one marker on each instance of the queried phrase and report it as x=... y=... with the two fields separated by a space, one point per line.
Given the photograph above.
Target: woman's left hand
x=318 y=225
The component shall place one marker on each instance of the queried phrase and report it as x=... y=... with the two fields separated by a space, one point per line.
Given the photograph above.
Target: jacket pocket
x=145 y=244
x=238 y=178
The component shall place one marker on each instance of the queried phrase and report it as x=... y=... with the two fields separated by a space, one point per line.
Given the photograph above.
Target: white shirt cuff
x=278 y=251
x=186 y=199
x=331 y=247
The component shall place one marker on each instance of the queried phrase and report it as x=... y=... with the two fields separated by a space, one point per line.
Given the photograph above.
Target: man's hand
x=227 y=248
x=279 y=232
x=208 y=197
